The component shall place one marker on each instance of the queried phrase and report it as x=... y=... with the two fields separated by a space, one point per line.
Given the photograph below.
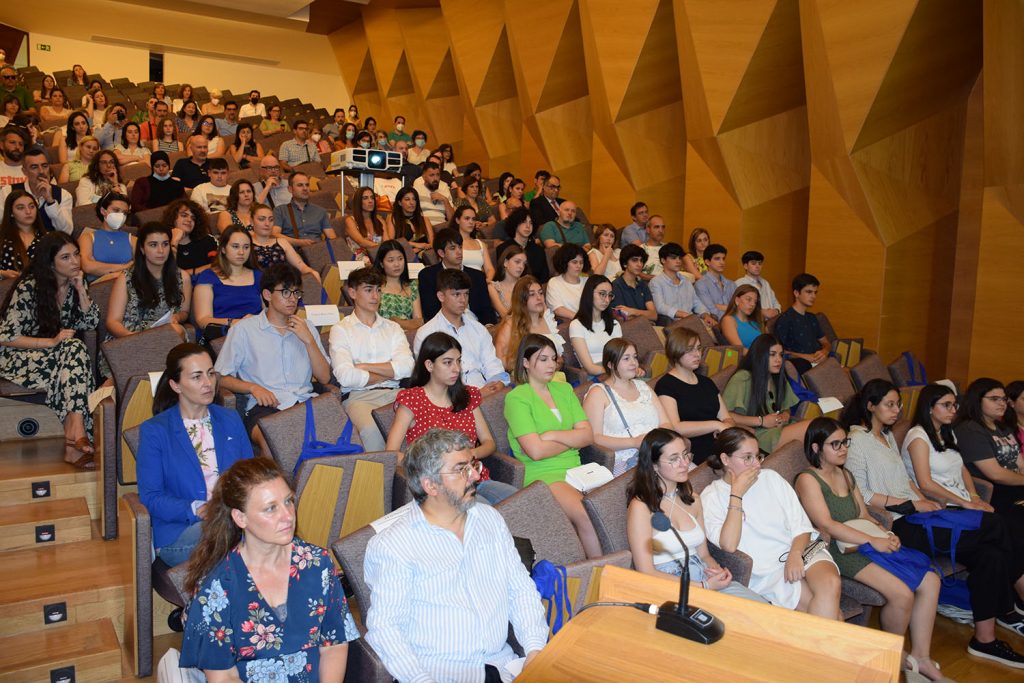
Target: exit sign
x=43 y=47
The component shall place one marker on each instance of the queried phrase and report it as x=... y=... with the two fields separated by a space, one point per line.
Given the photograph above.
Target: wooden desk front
x=761 y=642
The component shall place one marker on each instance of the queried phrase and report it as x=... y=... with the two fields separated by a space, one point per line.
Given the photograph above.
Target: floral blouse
x=230 y=624
x=399 y=305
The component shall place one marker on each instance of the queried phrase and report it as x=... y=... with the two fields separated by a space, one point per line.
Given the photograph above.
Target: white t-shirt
x=946 y=466
x=563 y=294
x=247 y=110
x=595 y=341
x=11 y=175
x=432 y=211
x=212 y=198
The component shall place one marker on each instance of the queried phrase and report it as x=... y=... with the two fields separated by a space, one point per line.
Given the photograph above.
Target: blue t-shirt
x=799 y=332
x=233 y=301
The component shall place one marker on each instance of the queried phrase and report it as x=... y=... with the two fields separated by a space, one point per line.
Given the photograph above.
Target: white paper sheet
x=321 y=315
x=154 y=379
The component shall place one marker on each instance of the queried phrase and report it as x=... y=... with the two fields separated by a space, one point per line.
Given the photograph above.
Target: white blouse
x=946 y=466
x=473 y=258
x=595 y=340
x=641 y=416
x=561 y=293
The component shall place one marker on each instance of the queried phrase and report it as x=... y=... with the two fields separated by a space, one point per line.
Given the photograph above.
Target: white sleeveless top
x=641 y=417
x=474 y=258
x=667 y=548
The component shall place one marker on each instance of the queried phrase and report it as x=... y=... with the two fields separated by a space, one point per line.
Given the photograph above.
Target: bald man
x=193 y=171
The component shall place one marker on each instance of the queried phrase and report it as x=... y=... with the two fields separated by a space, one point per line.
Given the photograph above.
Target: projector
x=359 y=159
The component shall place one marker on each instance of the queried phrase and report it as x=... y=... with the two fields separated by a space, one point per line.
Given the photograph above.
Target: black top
x=151 y=192
x=189 y=174
x=197 y=254
x=799 y=332
x=536 y=258
x=479 y=298
x=542 y=212
x=696 y=403
x=976 y=442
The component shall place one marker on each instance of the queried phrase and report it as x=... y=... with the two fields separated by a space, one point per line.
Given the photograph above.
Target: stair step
x=50 y=586
x=34 y=470
x=48 y=521
x=91 y=649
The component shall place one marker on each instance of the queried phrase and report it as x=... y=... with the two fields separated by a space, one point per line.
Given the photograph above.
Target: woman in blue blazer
x=183 y=449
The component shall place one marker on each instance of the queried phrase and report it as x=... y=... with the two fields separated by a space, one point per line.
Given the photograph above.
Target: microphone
x=679 y=618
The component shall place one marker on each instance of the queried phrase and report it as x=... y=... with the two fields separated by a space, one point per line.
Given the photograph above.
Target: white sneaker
x=961 y=616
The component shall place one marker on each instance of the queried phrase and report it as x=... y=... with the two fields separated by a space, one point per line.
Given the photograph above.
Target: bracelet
x=733 y=495
x=760 y=419
x=975 y=495
x=735 y=507
x=886 y=501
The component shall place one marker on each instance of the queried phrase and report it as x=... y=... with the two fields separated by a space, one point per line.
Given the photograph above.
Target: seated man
x=227 y=126
x=409 y=172
x=12 y=152
x=674 y=297
x=752 y=262
x=193 y=170
x=544 y=207
x=632 y=295
x=652 y=245
x=636 y=232
x=298 y=150
x=213 y=195
x=539 y=178
x=480 y=365
x=448 y=245
x=302 y=222
x=273 y=356
x=435 y=197
x=149 y=129
x=715 y=289
x=270 y=189
x=399 y=132
x=798 y=329
x=565 y=228
x=422 y=622
x=369 y=355
x=333 y=129
x=253 y=107
x=54 y=202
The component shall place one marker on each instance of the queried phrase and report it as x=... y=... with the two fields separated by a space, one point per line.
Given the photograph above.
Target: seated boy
x=632 y=295
x=674 y=296
x=213 y=196
x=798 y=329
x=752 y=262
x=448 y=246
x=715 y=289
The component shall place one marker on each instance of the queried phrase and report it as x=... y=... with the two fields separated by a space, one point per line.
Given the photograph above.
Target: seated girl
x=132 y=150
x=742 y=321
x=270 y=248
x=406 y=221
x=20 y=232
x=528 y=315
x=546 y=429
x=991 y=449
x=436 y=397
x=102 y=178
x=759 y=397
x=230 y=290
x=47 y=305
x=565 y=289
x=594 y=325
x=108 y=249
x=400 y=295
x=511 y=267
x=363 y=230
x=604 y=257
x=183 y=449
x=474 y=251
x=622 y=409
x=194 y=247
x=66 y=140
x=830 y=496
x=661 y=484
x=244 y=149
x=241 y=200
x=757 y=511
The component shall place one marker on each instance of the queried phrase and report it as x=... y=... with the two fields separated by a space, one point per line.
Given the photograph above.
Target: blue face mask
x=162 y=177
x=364 y=144
x=421 y=143
x=350 y=135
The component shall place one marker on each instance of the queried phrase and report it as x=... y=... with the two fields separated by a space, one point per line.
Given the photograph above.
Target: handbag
x=906 y=564
x=952 y=591
x=865 y=526
x=312 y=448
x=588 y=476
x=552 y=583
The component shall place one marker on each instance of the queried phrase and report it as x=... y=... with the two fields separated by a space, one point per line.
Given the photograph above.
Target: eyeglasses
x=290 y=293
x=998 y=399
x=839 y=443
x=949 y=405
x=554 y=187
x=892 y=404
x=751 y=459
x=606 y=295
x=464 y=469
x=682 y=458
x=12 y=77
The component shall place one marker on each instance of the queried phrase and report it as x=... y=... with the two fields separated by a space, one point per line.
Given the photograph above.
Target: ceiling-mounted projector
x=359 y=159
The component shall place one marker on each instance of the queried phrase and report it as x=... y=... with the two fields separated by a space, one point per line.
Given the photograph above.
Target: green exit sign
x=43 y=47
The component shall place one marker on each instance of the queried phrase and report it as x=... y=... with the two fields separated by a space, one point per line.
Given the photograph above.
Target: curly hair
x=40 y=269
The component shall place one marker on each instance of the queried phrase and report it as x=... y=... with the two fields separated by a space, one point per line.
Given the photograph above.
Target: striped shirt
x=440 y=608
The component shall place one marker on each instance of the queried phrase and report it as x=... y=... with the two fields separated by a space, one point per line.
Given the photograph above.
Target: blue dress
x=748 y=331
x=230 y=624
x=232 y=301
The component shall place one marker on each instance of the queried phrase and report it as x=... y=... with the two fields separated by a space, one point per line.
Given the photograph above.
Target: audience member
x=195 y=248
x=673 y=295
x=244 y=150
x=435 y=198
x=604 y=257
x=565 y=289
x=633 y=297
x=212 y=195
x=480 y=365
x=298 y=150
x=421 y=621
x=214 y=106
x=301 y=221
x=511 y=267
x=207 y=128
x=743 y=321
x=347 y=137
x=406 y=221
x=47 y=305
x=230 y=290
x=652 y=245
x=55 y=112
x=399 y=134
x=54 y=203
x=184 y=95
x=473 y=198
x=20 y=232
x=528 y=314
x=228 y=126
x=544 y=206
x=369 y=355
x=67 y=139
x=149 y=129
x=661 y=485
x=96 y=103
x=990 y=450
x=160 y=93
x=106 y=249
x=76 y=169
x=333 y=129
x=273 y=123
x=411 y=173
x=322 y=142
x=158 y=188
x=1013 y=418
x=353 y=114
x=798 y=329
x=241 y=201
x=13 y=149
x=594 y=325
x=11 y=108
x=565 y=229
x=752 y=263
x=636 y=232
x=364 y=231
x=448 y=246
x=102 y=178
x=699 y=241
x=188 y=117
x=77 y=76
x=520 y=226
x=474 y=251
x=9 y=86
x=400 y=294
x=45 y=88
x=193 y=170
x=513 y=201
x=167 y=140
x=269 y=188
x=253 y=107
x=714 y=289
x=418 y=153
x=109 y=136
x=272 y=248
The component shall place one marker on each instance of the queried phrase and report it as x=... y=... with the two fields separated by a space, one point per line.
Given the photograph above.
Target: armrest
x=106 y=442
x=599 y=455
x=738 y=563
x=400 y=494
x=883 y=516
x=227 y=399
x=984 y=488
x=506 y=469
x=583 y=570
x=364 y=664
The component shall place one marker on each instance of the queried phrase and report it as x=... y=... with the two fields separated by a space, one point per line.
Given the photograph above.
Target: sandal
x=85 y=460
x=912 y=672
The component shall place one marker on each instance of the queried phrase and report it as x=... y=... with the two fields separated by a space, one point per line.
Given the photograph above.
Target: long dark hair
x=94 y=173
x=510 y=252
x=517 y=218
x=9 y=227
x=1013 y=391
x=237 y=143
x=646 y=485
x=41 y=270
x=164 y=397
x=143 y=281
x=220 y=533
x=70 y=136
x=198 y=130
x=764 y=386
x=355 y=208
x=817 y=432
x=453 y=224
x=385 y=248
x=405 y=227
x=528 y=348
x=233 y=193
x=434 y=346
x=926 y=400
x=970 y=405
x=586 y=312
x=872 y=393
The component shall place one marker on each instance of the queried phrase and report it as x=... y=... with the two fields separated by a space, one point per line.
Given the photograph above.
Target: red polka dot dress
x=426 y=415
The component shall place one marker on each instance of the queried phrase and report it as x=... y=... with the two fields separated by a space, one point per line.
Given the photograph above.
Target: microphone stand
x=678 y=618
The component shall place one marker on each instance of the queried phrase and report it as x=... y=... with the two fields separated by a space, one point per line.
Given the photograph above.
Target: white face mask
x=399 y=127
x=316 y=137
x=115 y=219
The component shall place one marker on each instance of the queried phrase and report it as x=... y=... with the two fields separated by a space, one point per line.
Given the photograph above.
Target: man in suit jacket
x=544 y=209
x=448 y=245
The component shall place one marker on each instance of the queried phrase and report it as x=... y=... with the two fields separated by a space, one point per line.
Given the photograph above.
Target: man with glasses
x=300 y=150
x=445 y=577
x=273 y=356
x=632 y=295
x=270 y=189
x=54 y=202
x=369 y=355
x=674 y=296
x=544 y=208
x=9 y=86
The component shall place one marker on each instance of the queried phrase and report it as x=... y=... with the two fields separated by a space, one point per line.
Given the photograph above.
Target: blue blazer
x=169 y=474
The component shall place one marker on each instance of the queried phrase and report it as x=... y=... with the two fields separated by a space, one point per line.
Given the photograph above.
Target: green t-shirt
x=394 y=136
x=735 y=397
x=526 y=413
x=575 y=233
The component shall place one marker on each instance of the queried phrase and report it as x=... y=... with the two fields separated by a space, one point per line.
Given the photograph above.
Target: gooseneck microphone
x=679 y=618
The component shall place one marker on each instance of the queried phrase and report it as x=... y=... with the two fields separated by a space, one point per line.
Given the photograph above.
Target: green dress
x=735 y=397
x=842 y=509
x=399 y=305
x=526 y=413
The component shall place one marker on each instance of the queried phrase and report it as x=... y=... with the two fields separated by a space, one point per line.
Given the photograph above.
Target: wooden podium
x=761 y=642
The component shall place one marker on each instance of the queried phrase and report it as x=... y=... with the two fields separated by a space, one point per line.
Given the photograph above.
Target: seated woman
x=691 y=401
x=77 y=76
x=474 y=250
x=108 y=249
x=699 y=241
x=96 y=103
x=157 y=189
x=274 y=123
x=742 y=321
x=183 y=449
x=511 y=267
x=152 y=290
x=20 y=232
x=528 y=315
x=418 y=151
x=364 y=231
x=520 y=226
x=604 y=257
x=1013 y=418
x=251 y=574
x=207 y=127
x=546 y=429
x=514 y=200
x=132 y=150
x=594 y=325
x=661 y=484
x=347 y=138
x=230 y=289
x=82 y=159
x=757 y=511
x=759 y=397
x=241 y=199
x=215 y=107
x=195 y=248
x=400 y=295
x=830 y=496
x=42 y=95
x=437 y=397
x=187 y=117
x=55 y=112
x=167 y=139
x=930 y=452
x=270 y=248
x=990 y=553
x=565 y=290
x=245 y=150
x=11 y=107
x=989 y=448
x=472 y=196
x=622 y=409
x=47 y=305
x=323 y=143
x=184 y=95
x=67 y=139
x=102 y=179
x=406 y=221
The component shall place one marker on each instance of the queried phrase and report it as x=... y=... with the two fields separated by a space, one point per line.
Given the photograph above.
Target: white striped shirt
x=440 y=608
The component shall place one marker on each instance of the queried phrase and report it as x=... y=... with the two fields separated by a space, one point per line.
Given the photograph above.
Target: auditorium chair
x=99 y=292
x=318 y=255
x=574 y=372
x=716 y=356
x=828 y=378
x=284 y=430
x=722 y=377
x=640 y=331
x=869 y=368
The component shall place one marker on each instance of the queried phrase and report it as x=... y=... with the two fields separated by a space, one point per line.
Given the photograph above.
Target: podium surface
x=761 y=642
